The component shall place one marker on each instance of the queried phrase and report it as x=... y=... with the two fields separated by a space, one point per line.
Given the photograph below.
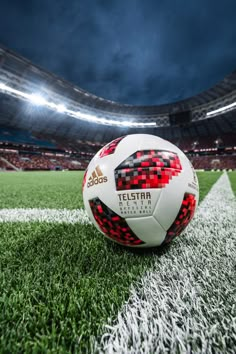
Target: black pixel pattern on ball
x=147 y=169
x=113 y=226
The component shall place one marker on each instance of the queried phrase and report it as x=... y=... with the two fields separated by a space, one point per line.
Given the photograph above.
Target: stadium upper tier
x=34 y=99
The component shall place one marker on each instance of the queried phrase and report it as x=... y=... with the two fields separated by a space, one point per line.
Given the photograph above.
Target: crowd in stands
x=27 y=161
x=40 y=162
x=3 y=164
x=189 y=144
x=207 y=142
x=21 y=150
x=214 y=162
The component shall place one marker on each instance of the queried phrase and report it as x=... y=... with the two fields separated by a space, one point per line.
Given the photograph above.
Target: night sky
x=142 y=52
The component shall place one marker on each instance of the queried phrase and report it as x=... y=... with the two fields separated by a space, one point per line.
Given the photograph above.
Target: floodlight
x=222 y=109
x=61 y=108
x=2 y=86
x=38 y=100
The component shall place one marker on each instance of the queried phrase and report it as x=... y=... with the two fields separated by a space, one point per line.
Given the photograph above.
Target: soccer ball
x=140 y=190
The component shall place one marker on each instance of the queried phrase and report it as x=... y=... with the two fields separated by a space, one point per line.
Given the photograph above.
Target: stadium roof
x=34 y=99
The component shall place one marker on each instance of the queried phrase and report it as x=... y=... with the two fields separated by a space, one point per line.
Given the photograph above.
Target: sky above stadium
x=142 y=52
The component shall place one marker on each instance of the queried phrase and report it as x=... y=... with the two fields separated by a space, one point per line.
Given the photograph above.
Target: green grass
x=186 y=302
x=41 y=189
x=232 y=177
x=60 y=283
x=206 y=180
x=58 y=189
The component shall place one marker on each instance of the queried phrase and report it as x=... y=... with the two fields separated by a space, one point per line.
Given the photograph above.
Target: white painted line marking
x=44 y=215
x=186 y=302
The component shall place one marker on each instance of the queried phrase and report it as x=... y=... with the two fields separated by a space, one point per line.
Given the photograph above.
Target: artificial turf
x=41 y=190
x=186 y=302
x=232 y=178
x=59 y=282
x=206 y=180
x=59 y=189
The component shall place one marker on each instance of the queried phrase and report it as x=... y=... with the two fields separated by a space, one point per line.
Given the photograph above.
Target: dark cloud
x=136 y=52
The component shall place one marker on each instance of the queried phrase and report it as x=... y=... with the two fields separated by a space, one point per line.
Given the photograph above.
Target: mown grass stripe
x=44 y=215
x=21 y=189
x=232 y=178
x=186 y=303
x=54 y=190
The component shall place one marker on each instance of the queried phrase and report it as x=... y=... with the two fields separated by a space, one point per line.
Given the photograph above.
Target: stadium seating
x=214 y=162
x=3 y=164
x=12 y=135
x=29 y=161
x=41 y=153
x=208 y=142
x=41 y=162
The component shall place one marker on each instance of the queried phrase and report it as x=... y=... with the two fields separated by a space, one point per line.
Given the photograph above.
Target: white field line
x=186 y=302
x=44 y=215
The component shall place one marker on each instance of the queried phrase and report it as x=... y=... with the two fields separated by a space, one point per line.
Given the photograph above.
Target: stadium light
x=61 y=108
x=13 y=92
x=224 y=109
x=2 y=86
x=37 y=99
x=93 y=119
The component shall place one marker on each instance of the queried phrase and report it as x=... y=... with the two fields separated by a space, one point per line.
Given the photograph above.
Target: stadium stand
x=33 y=162
x=207 y=142
x=214 y=162
x=204 y=153
x=20 y=150
x=11 y=135
x=66 y=132
x=3 y=164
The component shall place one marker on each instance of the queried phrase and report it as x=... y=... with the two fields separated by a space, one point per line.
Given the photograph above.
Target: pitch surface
x=62 y=282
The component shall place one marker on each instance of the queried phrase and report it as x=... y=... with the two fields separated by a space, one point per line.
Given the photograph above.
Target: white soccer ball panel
x=148 y=230
x=138 y=184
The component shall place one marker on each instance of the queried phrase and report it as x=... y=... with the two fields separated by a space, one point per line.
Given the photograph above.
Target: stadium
x=203 y=126
x=67 y=289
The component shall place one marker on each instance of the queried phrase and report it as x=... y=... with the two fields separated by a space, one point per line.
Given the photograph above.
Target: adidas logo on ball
x=96 y=177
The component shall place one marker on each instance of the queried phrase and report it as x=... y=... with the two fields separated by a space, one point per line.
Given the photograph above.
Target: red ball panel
x=183 y=218
x=147 y=169
x=112 y=225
